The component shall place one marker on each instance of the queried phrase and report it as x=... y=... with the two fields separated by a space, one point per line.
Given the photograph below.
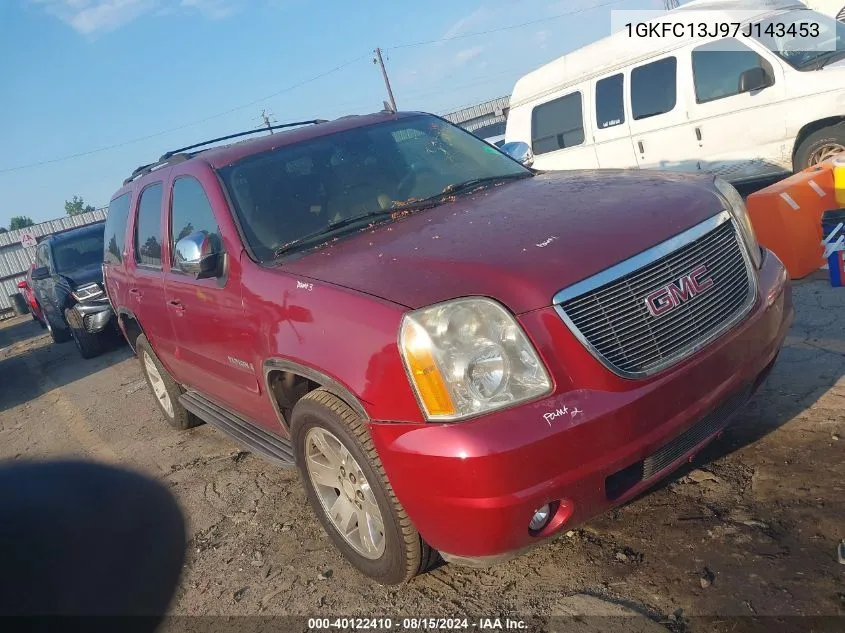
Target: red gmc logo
x=669 y=297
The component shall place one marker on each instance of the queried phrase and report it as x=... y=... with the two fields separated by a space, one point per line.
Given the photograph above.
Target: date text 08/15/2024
x=416 y=624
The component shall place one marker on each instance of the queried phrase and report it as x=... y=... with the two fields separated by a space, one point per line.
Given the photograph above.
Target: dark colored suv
x=67 y=283
x=461 y=355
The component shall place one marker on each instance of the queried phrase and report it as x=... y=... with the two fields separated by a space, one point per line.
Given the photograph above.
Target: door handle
x=698 y=133
x=640 y=146
x=176 y=305
x=136 y=292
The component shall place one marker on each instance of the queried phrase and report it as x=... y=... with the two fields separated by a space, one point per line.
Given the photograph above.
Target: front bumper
x=471 y=488
x=93 y=316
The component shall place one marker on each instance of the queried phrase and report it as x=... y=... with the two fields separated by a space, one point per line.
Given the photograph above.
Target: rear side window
x=557 y=124
x=610 y=108
x=716 y=68
x=190 y=212
x=115 y=231
x=42 y=255
x=654 y=88
x=148 y=227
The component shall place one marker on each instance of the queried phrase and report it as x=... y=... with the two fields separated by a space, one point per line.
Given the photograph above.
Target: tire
x=58 y=332
x=404 y=554
x=89 y=345
x=162 y=383
x=819 y=144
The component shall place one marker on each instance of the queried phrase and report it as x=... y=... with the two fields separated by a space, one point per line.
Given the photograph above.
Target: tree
x=20 y=222
x=3 y=229
x=77 y=206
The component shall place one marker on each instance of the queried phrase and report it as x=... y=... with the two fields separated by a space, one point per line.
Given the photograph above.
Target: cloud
x=462 y=57
x=89 y=17
x=460 y=26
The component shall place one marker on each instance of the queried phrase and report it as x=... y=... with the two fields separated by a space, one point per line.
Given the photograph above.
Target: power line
x=508 y=28
x=181 y=127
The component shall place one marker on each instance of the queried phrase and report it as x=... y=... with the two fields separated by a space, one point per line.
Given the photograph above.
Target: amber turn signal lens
x=424 y=372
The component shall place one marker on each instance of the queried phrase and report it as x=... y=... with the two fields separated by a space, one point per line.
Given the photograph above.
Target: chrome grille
x=608 y=312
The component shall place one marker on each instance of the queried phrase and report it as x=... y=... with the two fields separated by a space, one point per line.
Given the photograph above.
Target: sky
x=91 y=89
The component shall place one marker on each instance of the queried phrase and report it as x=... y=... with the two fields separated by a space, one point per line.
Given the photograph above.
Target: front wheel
x=89 y=345
x=819 y=146
x=348 y=490
x=59 y=331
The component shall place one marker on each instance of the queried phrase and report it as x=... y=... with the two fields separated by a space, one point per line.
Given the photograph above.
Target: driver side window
x=42 y=256
x=190 y=212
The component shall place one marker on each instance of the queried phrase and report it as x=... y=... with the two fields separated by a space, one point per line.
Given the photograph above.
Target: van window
x=115 y=231
x=654 y=88
x=190 y=211
x=148 y=227
x=610 y=109
x=557 y=124
x=716 y=67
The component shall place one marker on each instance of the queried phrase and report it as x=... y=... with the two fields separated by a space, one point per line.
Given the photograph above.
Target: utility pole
x=266 y=120
x=378 y=60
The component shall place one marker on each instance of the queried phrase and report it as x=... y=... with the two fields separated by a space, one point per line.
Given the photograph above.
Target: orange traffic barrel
x=787 y=215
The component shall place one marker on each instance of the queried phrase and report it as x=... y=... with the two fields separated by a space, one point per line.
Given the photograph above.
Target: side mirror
x=40 y=273
x=22 y=285
x=520 y=152
x=198 y=254
x=754 y=79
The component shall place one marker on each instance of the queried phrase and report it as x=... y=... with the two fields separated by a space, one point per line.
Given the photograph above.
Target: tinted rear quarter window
x=115 y=231
x=654 y=88
x=148 y=227
x=610 y=108
x=557 y=124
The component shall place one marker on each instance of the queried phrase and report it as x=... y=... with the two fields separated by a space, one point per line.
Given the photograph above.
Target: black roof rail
x=247 y=133
x=179 y=155
x=143 y=170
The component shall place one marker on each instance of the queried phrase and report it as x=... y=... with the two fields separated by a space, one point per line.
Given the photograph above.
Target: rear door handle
x=640 y=146
x=137 y=292
x=176 y=305
x=698 y=133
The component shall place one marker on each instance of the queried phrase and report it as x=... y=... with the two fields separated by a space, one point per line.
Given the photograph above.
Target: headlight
x=469 y=356
x=87 y=292
x=736 y=205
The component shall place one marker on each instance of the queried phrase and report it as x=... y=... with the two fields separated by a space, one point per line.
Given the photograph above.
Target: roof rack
x=179 y=155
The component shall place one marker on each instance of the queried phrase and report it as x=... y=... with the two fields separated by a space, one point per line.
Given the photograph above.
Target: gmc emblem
x=669 y=297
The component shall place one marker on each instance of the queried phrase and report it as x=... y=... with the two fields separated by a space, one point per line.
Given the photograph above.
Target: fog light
x=540 y=519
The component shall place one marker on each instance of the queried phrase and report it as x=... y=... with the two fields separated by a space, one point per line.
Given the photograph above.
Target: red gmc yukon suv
x=461 y=355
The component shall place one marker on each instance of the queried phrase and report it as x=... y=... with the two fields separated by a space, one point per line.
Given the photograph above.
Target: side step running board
x=271 y=447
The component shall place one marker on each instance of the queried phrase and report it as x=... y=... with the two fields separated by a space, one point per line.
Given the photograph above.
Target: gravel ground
x=751 y=528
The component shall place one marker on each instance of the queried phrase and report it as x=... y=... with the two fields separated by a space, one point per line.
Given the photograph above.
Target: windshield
x=297 y=191
x=802 y=38
x=78 y=251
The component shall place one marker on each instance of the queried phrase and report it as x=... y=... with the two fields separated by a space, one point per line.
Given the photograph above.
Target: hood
x=520 y=242
x=84 y=275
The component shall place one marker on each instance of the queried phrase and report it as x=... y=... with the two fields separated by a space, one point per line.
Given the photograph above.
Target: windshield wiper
x=825 y=58
x=456 y=188
x=332 y=228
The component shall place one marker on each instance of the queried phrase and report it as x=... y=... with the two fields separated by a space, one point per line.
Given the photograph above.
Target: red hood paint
x=520 y=242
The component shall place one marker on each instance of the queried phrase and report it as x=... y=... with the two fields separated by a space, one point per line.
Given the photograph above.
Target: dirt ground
x=750 y=529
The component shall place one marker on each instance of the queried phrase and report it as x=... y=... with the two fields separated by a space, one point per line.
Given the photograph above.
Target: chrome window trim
x=643 y=259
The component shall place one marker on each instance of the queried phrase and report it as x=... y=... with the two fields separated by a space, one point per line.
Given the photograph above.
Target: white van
x=833 y=8
x=743 y=114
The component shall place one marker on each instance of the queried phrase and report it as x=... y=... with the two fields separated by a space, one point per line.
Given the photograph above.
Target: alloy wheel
x=157 y=383
x=344 y=493
x=824 y=152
